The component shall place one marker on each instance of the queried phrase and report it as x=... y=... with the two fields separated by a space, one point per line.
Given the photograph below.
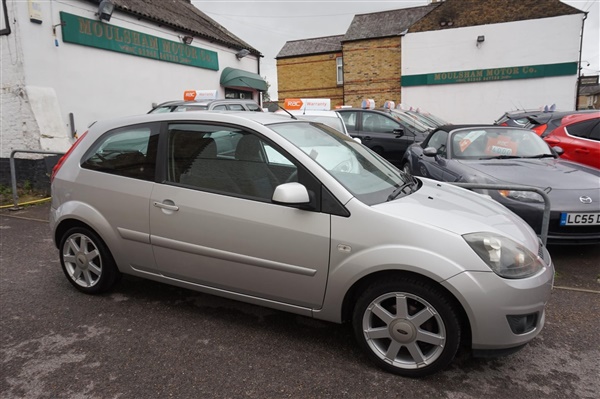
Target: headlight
x=525 y=196
x=504 y=256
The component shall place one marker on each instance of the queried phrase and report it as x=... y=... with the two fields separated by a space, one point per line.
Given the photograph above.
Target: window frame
x=339 y=65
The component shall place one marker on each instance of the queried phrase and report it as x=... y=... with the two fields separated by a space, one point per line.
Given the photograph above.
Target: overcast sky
x=267 y=24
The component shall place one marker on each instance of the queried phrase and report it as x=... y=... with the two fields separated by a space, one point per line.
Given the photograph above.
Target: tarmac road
x=149 y=340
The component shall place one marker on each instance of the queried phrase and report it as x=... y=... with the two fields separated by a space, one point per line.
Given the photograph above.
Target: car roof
x=580 y=117
x=237 y=117
x=205 y=102
x=450 y=128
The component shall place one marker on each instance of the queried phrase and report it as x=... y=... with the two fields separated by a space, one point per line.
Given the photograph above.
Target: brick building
x=399 y=55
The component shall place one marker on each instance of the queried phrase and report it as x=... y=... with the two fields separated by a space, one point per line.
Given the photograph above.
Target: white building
x=474 y=74
x=65 y=64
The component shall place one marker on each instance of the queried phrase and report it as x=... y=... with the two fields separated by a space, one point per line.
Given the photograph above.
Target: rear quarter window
x=129 y=152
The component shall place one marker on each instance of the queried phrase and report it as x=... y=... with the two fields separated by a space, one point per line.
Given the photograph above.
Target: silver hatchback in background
x=295 y=216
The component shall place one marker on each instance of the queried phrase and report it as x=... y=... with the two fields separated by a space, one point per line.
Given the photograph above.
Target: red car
x=579 y=136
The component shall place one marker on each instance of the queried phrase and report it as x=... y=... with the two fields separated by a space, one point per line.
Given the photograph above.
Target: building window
x=238 y=94
x=340 y=70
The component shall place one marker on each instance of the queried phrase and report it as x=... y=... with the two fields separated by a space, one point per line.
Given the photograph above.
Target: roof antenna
x=273 y=107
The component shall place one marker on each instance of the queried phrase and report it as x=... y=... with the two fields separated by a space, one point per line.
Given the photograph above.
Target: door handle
x=366 y=138
x=166 y=206
x=581 y=151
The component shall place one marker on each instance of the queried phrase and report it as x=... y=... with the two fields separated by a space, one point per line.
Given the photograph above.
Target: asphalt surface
x=150 y=340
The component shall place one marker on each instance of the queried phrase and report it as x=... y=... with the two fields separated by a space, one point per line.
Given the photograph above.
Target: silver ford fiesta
x=296 y=216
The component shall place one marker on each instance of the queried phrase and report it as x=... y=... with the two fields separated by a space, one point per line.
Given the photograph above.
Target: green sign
x=93 y=33
x=491 y=75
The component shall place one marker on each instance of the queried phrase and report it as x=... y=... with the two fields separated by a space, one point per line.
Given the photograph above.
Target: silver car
x=295 y=216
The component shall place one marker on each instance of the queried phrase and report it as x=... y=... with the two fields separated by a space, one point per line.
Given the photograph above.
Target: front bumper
x=491 y=301
x=557 y=234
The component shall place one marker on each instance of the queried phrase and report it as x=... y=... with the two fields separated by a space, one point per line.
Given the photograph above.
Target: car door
x=384 y=135
x=213 y=223
x=583 y=141
x=435 y=166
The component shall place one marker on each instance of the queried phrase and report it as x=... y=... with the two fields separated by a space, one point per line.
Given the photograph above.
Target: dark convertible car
x=515 y=156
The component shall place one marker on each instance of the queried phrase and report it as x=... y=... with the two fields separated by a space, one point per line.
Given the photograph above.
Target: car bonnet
x=541 y=173
x=461 y=211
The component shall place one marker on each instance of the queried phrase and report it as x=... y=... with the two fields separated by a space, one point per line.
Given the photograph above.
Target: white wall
x=532 y=42
x=92 y=83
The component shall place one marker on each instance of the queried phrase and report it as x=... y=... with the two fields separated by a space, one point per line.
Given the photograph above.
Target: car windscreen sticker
x=501 y=145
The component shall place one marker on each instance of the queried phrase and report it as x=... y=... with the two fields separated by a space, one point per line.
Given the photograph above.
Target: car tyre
x=87 y=262
x=407 y=326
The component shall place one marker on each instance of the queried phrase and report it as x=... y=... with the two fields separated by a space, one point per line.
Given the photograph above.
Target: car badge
x=585 y=199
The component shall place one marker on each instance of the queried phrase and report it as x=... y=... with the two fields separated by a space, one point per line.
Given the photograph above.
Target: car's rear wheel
x=87 y=262
x=407 y=326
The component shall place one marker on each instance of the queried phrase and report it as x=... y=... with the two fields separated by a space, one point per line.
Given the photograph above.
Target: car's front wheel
x=87 y=262
x=407 y=326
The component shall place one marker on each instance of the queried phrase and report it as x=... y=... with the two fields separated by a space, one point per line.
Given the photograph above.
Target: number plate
x=579 y=219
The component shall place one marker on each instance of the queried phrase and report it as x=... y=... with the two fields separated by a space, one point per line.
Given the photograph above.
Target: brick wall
x=372 y=70
x=463 y=13
x=313 y=76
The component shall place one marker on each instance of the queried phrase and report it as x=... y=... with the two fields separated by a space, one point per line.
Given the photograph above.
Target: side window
x=220 y=108
x=129 y=152
x=236 y=107
x=377 y=123
x=438 y=141
x=349 y=120
x=582 y=129
x=253 y=107
x=232 y=162
x=595 y=133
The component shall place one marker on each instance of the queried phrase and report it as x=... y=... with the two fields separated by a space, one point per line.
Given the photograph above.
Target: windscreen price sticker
x=578 y=219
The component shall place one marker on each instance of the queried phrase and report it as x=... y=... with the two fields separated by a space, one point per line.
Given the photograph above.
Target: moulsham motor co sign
x=93 y=33
x=491 y=75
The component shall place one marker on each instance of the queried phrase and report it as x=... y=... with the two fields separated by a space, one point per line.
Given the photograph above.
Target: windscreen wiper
x=541 y=156
x=400 y=189
x=502 y=157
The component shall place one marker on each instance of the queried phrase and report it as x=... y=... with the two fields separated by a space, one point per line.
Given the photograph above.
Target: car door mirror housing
x=558 y=150
x=291 y=194
x=358 y=140
x=399 y=132
x=430 y=152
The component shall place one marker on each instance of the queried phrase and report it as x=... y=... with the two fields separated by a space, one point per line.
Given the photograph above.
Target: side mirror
x=430 y=152
x=290 y=194
x=558 y=150
x=358 y=140
x=399 y=132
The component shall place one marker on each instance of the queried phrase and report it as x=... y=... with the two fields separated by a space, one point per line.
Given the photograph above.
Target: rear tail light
x=539 y=130
x=504 y=124
x=62 y=159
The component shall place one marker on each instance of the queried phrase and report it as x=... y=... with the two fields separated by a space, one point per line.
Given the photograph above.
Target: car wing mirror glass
x=291 y=194
x=430 y=152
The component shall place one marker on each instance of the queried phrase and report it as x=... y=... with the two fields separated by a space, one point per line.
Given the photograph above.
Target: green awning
x=231 y=77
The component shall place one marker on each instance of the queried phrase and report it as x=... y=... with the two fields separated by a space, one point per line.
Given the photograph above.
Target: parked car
x=579 y=137
x=384 y=133
x=214 y=105
x=515 y=156
x=329 y=118
x=541 y=122
x=301 y=218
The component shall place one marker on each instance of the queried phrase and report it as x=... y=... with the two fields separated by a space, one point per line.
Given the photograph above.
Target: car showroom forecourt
x=273 y=211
